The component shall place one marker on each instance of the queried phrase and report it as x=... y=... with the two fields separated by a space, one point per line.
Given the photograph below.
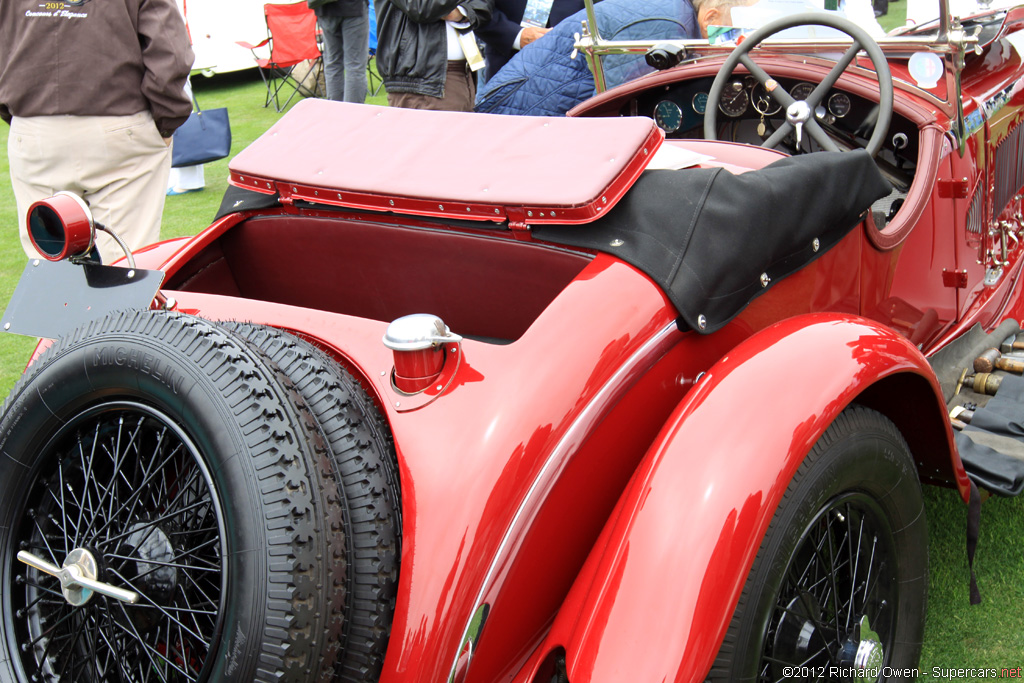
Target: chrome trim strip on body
x=642 y=360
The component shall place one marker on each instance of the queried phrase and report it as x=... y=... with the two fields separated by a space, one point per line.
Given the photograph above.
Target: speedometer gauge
x=668 y=116
x=801 y=91
x=734 y=99
x=839 y=105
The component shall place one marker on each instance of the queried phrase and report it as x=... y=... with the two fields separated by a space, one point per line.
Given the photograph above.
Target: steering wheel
x=800 y=113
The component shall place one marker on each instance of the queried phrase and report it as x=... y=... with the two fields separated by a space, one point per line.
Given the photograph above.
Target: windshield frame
x=951 y=42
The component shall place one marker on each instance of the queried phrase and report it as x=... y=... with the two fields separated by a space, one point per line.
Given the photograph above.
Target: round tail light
x=61 y=226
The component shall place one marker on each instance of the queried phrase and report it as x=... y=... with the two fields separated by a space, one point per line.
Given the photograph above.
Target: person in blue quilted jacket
x=515 y=24
x=544 y=80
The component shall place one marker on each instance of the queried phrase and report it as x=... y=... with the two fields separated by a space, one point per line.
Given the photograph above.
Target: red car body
x=593 y=488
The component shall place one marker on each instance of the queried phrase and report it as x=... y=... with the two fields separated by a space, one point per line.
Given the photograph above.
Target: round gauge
x=668 y=116
x=700 y=103
x=801 y=91
x=734 y=99
x=839 y=105
x=764 y=103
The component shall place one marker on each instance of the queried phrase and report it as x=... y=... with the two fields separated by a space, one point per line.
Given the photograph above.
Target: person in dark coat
x=426 y=51
x=509 y=31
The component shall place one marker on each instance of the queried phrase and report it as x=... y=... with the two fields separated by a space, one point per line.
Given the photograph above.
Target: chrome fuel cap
x=418 y=332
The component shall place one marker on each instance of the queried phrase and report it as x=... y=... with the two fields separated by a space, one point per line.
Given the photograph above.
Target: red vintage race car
x=456 y=397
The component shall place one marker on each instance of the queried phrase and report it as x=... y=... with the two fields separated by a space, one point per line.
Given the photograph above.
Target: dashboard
x=748 y=114
x=679 y=109
x=743 y=95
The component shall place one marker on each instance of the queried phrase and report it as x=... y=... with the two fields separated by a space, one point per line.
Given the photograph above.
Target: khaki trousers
x=118 y=164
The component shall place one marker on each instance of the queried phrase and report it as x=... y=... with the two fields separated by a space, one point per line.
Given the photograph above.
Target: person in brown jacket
x=93 y=90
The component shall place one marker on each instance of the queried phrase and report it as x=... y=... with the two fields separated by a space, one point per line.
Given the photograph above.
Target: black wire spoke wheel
x=838 y=590
x=834 y=612
x=168 y=512
x=125 y=485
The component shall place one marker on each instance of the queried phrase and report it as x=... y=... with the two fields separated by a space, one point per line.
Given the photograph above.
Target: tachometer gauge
x=801 y=91
x=839 y=105
x=700 y=103
x=668 y=116
x=763 y=102
x=734 y=99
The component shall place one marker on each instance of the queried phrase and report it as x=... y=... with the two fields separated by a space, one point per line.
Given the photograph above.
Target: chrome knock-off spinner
x=797 y=114
x=870 y=654
x=78 y=577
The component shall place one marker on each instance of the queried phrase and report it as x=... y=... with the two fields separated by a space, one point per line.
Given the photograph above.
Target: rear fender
x=658 y=590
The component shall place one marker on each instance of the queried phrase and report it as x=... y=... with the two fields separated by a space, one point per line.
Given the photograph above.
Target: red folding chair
x=292 y=37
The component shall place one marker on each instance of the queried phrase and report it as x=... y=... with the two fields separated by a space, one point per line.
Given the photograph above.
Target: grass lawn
x=896 y=15
x=956 y=635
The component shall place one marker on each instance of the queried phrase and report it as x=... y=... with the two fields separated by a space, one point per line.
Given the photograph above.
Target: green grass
x=956 y=634
x=895 y=16
x=989 y=635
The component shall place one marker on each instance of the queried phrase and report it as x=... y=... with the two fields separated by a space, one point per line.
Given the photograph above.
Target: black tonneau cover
x=706 y=235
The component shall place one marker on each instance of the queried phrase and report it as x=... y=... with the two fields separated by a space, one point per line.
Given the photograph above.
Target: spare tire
x=363 y=453
x=157 y=448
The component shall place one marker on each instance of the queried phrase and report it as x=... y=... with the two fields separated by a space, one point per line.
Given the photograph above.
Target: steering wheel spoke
x=818 y=94
x=767 y=82
x=819 y=135
x=778 y=136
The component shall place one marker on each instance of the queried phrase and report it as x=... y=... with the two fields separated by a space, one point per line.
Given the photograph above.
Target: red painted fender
x=657 y=593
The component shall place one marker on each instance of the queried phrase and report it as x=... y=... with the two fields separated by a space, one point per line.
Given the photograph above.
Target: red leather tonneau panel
x=455 y=164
